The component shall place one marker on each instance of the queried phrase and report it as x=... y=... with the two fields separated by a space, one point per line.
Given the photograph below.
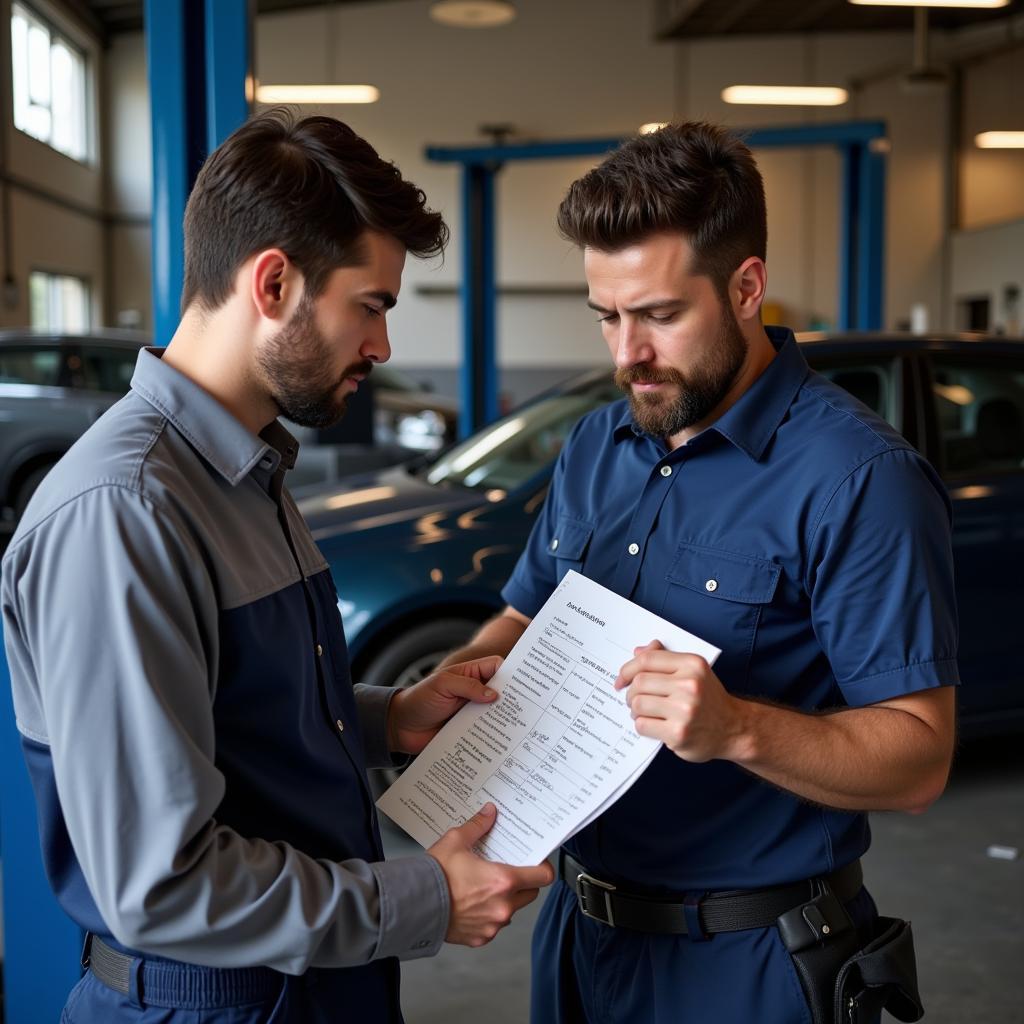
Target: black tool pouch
x=821 y=939
x=882 y=975
x=843 y=982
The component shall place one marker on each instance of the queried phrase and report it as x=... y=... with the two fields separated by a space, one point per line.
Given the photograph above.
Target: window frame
x=61 y=31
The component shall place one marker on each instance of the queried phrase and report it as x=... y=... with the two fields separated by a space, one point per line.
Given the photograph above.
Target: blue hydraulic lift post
x=175 y=32
x=228 y=67
x=861 y=230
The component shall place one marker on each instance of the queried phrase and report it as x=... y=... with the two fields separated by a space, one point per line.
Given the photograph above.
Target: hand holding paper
x=557 y=747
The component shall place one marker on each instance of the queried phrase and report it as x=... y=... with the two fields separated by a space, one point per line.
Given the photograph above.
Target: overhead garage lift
x=861 y=146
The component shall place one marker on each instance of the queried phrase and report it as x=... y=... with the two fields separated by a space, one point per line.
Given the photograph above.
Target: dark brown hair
x=310 y=187
x=694 y=178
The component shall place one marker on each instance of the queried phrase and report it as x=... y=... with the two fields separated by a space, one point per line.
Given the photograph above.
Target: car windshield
x=509 y=452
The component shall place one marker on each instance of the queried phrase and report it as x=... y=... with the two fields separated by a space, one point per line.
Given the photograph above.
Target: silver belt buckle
x=583 y=898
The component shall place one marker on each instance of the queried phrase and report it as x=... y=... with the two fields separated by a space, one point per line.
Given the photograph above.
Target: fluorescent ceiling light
x=999 y=140
x=652 y=126
x=930 y=3
x=473 y=13
x=317 y=94
x=787 y=95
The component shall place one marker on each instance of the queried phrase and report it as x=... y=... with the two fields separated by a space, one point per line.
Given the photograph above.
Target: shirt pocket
x=569 y=543
x=719 y=595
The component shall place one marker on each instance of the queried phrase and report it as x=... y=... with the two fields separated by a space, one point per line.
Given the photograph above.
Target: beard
x=699 y=390
x=296 y=365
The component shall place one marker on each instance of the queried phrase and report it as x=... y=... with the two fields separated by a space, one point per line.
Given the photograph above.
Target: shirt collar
x=222 y=440
x=751 y=423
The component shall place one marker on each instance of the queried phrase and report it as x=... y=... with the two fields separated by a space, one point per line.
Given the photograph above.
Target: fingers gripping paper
x=558 y=746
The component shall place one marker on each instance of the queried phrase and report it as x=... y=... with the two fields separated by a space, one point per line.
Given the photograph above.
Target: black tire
x=27 y=488
x=410 y=658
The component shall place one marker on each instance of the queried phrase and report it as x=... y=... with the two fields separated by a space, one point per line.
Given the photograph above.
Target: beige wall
x=56 y=204
x=989 y=262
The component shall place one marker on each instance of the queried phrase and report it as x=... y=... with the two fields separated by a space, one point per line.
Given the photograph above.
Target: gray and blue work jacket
x=183 y=695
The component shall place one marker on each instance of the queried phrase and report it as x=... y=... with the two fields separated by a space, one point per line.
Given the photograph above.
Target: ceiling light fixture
x=930 y=3
x=787 y=95
x=473 y=13
x=999 y=140
x=317 y=94
x=652 y=126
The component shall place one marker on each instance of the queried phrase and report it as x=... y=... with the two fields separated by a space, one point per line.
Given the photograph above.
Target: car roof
x=105 y=335
x=934 y=341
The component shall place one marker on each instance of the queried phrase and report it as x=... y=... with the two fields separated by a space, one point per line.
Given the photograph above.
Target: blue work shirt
x=804 y=537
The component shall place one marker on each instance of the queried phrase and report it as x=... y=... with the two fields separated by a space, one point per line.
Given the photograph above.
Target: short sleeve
x=880 y=577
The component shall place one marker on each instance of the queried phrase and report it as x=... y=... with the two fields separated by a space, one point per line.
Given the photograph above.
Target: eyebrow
x=644 y=308
x=386 y=299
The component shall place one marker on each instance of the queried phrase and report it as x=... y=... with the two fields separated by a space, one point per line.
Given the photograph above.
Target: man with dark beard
x=747 y=499
x=180 y=675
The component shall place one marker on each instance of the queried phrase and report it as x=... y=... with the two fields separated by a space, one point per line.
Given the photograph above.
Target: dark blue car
x=420 y=552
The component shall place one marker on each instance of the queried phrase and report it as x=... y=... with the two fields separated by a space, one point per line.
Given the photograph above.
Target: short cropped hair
x=694 y=178
x=310 y=187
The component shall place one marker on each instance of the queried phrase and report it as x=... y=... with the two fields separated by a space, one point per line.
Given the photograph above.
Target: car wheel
x=410 y=658
x=28 y=488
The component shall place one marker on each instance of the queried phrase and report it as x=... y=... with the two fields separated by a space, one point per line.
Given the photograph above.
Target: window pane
x=39 y=65
x=980 y=407
x=19 y=69
x=59 y=302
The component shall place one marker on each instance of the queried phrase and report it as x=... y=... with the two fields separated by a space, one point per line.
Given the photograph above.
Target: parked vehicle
x=419 y=553
x=53 y=387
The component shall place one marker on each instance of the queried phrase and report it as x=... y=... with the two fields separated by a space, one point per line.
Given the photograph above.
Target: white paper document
x=558 y=745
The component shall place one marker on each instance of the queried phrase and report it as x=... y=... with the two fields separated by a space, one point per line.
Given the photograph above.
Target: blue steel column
x=174 y=55
x=848 y=226
x=228 y=67
x=42 y=945
x=479 y=386
x=871 y=240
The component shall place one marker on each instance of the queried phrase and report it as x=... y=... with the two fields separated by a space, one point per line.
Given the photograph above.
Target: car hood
x=384 y=498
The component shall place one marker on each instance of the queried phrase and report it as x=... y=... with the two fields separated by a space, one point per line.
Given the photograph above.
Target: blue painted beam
x=848 y=225
x=174 y=55
x=228 y=67
x=479 y=390
x=42 y=945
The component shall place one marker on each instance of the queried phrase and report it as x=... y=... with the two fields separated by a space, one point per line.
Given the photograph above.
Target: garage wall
x=988 y=263
x=54 y=204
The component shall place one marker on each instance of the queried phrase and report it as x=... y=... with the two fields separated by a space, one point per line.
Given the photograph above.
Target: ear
x=275 y=284
x=747 y=288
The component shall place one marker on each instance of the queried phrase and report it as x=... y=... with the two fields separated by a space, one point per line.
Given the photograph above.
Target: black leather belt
x=700 y=915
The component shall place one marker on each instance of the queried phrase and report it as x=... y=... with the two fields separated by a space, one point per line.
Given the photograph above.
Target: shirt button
x=340 y=724
x=666 y=470
x=554 y=544
x=633 y=549
x=319 y=651
x=711 y=586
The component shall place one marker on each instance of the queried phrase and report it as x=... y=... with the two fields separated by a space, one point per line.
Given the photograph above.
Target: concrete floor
x=967 y=909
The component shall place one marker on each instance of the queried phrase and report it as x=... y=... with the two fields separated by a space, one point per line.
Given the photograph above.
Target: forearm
x=497 y=636
x=873 y=758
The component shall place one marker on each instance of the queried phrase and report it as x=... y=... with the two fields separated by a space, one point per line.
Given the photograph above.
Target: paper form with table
x=557 y=747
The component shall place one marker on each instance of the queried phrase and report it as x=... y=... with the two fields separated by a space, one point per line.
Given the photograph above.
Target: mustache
x=628 y=375
x=363 y=369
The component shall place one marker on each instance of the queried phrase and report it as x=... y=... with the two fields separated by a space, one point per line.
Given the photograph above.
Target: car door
x=977 y=426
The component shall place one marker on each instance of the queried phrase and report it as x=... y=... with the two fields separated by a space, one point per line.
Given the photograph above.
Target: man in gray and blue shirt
x=180 y=675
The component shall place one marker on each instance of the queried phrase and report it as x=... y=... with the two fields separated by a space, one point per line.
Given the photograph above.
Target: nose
x=377 y=346
x=631 y=345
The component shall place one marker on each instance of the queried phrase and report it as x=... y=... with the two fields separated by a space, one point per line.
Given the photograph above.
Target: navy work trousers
x=585 y=972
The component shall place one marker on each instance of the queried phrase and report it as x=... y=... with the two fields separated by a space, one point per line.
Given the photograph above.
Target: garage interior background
x=575 y=68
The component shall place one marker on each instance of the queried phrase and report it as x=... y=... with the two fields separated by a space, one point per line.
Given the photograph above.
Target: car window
x=873 y=381
x=106 y=369
x=509 y=452
x=32 y=365
x=979 y=405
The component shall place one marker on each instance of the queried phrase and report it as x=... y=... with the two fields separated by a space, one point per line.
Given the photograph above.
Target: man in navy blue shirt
x=745 y=498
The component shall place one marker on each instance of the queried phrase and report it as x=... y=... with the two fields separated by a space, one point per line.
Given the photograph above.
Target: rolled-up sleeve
x=883 y=603
x=110 y=607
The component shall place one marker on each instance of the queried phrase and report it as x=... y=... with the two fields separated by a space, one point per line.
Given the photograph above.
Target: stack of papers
x=558 y=747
